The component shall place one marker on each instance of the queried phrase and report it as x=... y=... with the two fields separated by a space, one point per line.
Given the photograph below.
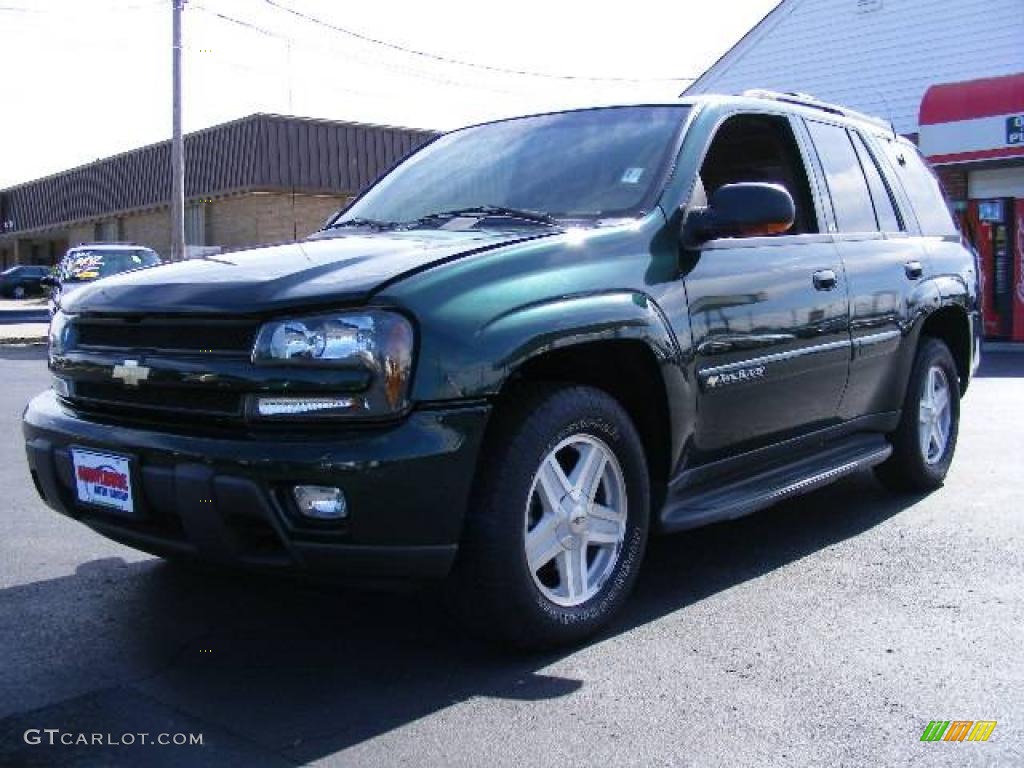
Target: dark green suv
x=530 y=346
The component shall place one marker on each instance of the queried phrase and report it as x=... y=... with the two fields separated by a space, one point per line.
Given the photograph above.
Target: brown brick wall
x=954 y=181
x=232 y=223
x=152 y=228
x=261 y=219
x=80 y=233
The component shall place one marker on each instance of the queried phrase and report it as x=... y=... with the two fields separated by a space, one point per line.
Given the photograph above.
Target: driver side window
x=760 y=148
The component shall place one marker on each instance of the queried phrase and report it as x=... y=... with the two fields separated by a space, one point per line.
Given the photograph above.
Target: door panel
x=882 y=305
x=772 y=350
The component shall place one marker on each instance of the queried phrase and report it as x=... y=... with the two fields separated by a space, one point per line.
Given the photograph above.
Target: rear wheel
x=18 y=292
x=924 y=442
x=559 y=518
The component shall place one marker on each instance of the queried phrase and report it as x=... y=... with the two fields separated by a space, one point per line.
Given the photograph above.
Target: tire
x=18 y=292
x=493 y=587
x=917 y=466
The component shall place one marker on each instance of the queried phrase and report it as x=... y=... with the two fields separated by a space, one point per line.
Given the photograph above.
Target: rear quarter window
x=851 y=200
x=922 y=187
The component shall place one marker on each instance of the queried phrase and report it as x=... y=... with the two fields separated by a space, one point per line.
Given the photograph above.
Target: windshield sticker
x=85 y=267
x=632 y=175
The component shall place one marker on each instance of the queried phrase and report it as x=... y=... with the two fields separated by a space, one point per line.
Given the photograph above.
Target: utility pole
x=177 y=146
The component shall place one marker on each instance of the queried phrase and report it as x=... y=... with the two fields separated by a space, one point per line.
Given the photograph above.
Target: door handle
x=824 y=280
x=913 y=269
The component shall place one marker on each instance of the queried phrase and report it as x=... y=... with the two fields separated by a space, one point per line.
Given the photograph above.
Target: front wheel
x=924 y=442
x=559 y=518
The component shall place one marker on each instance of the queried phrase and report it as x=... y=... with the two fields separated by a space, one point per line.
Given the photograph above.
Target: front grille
x=103 y=343
x=164 y=399
x=190 y=335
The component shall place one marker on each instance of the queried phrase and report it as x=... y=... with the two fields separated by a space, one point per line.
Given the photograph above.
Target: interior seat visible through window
x=760 y=148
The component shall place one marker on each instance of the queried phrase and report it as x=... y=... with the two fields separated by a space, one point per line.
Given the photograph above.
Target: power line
x=368 y=62
x=459 y=62
x=240 y=22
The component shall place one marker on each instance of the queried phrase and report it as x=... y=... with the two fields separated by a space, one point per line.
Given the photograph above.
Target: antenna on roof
x=888 y=113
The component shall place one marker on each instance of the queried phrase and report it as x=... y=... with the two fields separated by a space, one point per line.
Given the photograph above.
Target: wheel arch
x=951 y=325
x=621 y=344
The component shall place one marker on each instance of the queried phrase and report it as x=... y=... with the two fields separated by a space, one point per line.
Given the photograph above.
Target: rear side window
x=923 y=189
x=888 y=219
x=847 y=186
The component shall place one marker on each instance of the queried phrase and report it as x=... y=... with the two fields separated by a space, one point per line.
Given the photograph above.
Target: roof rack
x=806 y=100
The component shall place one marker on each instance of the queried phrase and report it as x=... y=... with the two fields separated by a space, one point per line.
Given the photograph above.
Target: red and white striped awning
x=974 y=120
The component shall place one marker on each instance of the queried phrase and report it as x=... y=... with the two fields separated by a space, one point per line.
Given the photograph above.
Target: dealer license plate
x=103 y=479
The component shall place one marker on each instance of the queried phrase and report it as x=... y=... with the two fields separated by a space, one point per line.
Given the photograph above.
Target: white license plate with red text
x=103 y=479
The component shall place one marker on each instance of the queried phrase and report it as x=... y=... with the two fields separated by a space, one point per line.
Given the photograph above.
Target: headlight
x=374 y=341
x=61 y=334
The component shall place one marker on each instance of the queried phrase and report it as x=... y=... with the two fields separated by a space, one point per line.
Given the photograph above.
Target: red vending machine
x=1018 y=260
x=996 y=227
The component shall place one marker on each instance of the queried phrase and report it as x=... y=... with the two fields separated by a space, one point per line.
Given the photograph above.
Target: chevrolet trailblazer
x=528 y=347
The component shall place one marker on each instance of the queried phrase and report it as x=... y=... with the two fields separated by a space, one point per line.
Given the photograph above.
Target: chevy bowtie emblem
x=131 y=373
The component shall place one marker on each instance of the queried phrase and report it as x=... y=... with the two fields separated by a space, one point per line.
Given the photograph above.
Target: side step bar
x=693 y=507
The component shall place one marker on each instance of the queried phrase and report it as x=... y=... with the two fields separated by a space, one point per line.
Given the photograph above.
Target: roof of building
x=261 y=152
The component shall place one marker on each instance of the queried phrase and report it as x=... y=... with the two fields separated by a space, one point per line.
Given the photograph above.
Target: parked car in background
x=85 y=264
x=526 y=348
x=23 y=280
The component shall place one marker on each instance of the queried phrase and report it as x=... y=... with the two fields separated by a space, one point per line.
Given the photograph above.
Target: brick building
x=261 y=179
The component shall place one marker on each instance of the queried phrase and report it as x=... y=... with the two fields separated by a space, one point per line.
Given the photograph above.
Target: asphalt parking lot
x=828 y=630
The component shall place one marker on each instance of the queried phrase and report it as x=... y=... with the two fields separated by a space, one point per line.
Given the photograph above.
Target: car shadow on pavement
x=275 y=670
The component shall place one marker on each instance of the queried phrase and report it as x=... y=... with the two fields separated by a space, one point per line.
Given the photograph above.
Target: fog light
x=321 y=502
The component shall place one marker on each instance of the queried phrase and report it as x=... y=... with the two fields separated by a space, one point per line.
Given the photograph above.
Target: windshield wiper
x=492 y=211
x=357 y=222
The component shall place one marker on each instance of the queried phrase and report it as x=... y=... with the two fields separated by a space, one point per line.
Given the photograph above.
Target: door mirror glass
x=747 y=209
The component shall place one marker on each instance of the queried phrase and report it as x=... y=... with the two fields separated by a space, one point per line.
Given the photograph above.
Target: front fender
x=515 y=337
x=532 y=330
x=478 y=367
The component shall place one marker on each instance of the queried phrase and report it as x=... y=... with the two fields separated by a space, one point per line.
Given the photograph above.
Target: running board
x=693 y=507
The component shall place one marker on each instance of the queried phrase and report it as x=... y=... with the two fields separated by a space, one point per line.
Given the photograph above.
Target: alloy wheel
x=575 y=520
x=935 y=415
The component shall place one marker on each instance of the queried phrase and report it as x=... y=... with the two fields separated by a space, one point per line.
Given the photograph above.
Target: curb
x=1002 y=346
x=23 y=341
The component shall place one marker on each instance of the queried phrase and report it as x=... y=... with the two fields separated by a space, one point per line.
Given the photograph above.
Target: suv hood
x=326 y=270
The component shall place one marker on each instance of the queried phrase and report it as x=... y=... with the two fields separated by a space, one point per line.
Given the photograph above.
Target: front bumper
x=228 y=499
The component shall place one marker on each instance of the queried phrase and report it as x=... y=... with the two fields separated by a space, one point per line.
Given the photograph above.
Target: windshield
x=85 y=265
x=597 y=163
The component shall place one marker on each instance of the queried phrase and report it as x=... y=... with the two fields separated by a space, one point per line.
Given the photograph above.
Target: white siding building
x=877 y=56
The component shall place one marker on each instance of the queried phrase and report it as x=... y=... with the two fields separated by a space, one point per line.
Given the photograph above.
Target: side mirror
x=749 y=209
x=48 y=281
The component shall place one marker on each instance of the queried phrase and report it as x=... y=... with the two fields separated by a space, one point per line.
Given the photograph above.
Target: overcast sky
x=83 y=79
